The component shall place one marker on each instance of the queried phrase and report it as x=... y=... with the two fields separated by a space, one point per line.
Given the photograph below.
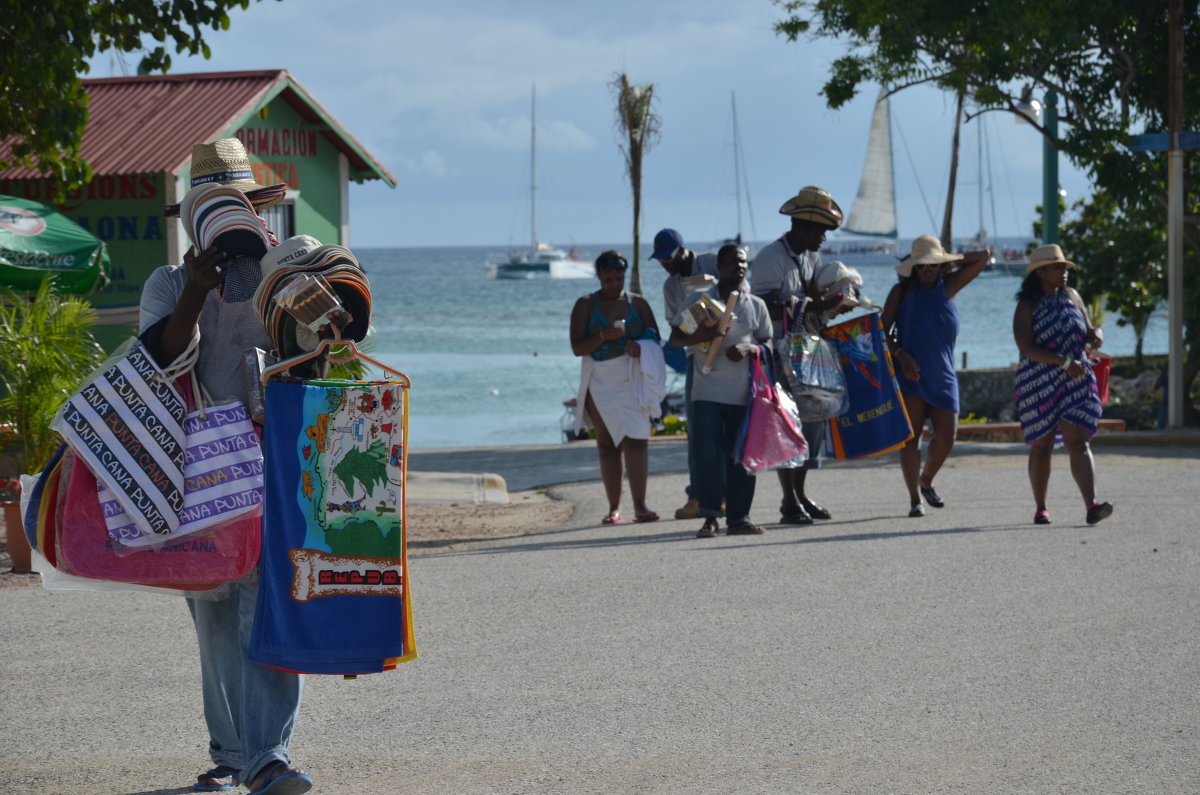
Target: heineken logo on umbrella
x=22 y=222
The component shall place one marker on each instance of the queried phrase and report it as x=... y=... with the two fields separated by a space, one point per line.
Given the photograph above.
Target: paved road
x=969 y=651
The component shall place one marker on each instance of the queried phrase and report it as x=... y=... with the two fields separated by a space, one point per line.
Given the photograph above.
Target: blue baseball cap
x=666 y=243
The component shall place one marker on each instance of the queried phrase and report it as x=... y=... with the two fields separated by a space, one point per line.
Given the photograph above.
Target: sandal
x=932 y=497
x=708 y=530
x=219 y=779
x=916 y=510
x=798 y=516
x=815 y=511
x=1098 y=511
x=613 y=517
x=744 y=529
x=280 y=778
x=645 y=516
x=1042 y=517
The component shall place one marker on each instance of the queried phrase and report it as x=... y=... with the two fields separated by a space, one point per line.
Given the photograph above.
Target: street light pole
x=1050 y=171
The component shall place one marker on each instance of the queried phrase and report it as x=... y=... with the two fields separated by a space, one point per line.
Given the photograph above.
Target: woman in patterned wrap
x=1056 y=388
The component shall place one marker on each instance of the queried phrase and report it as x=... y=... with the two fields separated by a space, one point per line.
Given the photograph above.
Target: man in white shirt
x=685 y=270
x=782 y=275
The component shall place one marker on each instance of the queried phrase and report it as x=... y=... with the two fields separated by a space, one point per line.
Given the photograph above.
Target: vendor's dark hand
x=1095 y=338
x=912 y=370
x=743 y=350
x=632 y=349
x=206 y=269
x=610 y=333
x=706 y=332
x=1075 y=371
x=827 y=302
x=338 y=320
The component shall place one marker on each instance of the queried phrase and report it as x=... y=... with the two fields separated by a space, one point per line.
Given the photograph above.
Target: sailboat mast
x=979 y=169
x=737 y=166
x=533 y=172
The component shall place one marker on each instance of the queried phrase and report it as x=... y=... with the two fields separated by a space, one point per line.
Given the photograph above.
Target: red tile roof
x=148 y=124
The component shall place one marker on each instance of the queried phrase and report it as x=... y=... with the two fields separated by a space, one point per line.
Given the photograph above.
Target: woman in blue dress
x=922 y=324
x=1056 y=388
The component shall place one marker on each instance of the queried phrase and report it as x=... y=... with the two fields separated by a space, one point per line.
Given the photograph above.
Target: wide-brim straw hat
x=926 y=250
x=222 y=216
x=814 y=204
x=225 y=162
x=1046 y=255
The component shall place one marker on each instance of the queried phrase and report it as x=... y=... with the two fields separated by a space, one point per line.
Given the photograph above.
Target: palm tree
x=48 y=350
x=639 y=129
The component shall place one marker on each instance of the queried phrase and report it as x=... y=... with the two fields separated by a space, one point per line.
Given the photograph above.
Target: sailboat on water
x=542 y=260
x=872 y=220
x=739 y=183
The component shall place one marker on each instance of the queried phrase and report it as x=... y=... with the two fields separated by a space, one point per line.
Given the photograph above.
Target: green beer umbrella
x=36 y=240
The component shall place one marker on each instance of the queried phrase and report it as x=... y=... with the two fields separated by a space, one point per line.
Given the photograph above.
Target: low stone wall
x=987 y=393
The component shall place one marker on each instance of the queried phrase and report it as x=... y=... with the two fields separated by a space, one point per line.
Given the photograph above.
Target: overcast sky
x=440 y=93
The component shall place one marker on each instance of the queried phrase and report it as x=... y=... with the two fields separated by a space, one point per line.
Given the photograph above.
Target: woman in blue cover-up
x=921 y=321
x=1056 y=388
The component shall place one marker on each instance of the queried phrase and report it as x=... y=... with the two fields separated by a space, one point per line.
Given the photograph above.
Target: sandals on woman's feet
x=645 y=516
x=744 y=529
x=917 y=509
x=932 y=497
x=280 y=778
x=798 y=516
x=613 y=517
x=1098 y=511
x=219 y=779
x=1041 y=517
x=815 y=511
x=708 y=530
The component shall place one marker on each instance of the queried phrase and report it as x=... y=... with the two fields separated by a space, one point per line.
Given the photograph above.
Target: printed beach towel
x=334 y=587
x=876 y=420
x=126 y=424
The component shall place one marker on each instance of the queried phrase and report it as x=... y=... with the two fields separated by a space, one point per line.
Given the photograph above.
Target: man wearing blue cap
x=686 y=271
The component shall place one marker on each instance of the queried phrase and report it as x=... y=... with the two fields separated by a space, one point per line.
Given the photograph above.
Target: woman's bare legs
x=1077 y=440
x=1039 y=468
x=945 y=428
x=910 y=453
x=637 y=465
x=610 y=458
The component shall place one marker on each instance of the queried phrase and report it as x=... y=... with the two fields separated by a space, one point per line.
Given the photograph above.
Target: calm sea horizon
x=491 y=362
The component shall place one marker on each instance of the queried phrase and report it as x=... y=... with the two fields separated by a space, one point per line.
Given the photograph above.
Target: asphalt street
x=968 y=651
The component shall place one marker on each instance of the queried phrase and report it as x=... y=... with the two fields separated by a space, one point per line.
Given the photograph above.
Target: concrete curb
x=447 y=488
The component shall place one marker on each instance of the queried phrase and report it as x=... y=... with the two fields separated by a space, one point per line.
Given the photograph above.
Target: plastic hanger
x=323 y=347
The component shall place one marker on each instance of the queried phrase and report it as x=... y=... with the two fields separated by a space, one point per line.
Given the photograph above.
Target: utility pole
x=1050 y=171
x=1177 y=390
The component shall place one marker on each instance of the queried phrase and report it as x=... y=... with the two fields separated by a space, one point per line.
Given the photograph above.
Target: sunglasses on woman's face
x=920 y=266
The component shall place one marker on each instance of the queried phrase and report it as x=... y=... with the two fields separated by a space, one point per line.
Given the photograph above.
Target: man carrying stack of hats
x=250 y=709
x=783 y=275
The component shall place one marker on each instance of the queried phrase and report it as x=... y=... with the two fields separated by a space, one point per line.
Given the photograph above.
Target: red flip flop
x=612 y=518
x=645 y=516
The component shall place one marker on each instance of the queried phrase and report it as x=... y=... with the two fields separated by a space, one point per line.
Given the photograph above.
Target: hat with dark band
x=225 y=162
x=814 y=204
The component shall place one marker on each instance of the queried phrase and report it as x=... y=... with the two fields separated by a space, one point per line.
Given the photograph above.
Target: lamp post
x=1050 y=171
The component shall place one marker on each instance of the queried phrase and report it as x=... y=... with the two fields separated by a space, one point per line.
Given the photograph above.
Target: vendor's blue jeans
x=717 y=476
x=250 y=708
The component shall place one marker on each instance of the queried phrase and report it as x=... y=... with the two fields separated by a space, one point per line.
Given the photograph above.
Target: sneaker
x=1098 y=511
x=917 y=510
x=689 y=511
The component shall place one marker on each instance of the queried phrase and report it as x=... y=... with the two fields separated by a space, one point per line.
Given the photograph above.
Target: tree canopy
x=44 y=52
x=1106 y=60
x=638 y=129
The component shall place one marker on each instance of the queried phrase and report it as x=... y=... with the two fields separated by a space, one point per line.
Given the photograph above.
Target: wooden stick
x=722 y=330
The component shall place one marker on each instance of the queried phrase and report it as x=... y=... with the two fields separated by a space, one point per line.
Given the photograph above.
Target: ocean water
x=491 y=362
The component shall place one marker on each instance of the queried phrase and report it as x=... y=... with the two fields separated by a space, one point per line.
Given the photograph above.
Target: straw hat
x=1046 y=255
x=814 y=204
x=926 y=250
x=225 y=162
x=222 y=216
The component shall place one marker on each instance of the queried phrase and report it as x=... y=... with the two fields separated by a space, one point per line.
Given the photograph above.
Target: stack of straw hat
x=220 y=215
x=300 y=256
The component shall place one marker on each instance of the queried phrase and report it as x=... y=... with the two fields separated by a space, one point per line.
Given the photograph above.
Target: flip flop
x=917 y=510
x=798 y=517
x=744 y=529
x=707 y=530
x=613 y=517
x=816 y=511
x=217 y=774
x=645 y=516
x=292 y=781
x=1041 y=517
